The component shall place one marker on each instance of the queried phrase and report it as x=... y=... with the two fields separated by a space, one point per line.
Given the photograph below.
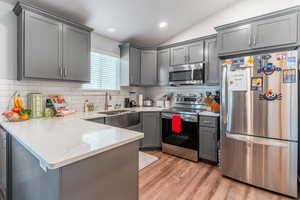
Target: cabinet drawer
x=208 y=121
x=208 y=130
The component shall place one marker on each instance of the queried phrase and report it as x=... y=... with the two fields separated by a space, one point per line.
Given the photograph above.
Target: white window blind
x=104 y=73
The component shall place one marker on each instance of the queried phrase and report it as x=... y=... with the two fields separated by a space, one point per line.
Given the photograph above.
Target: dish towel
x=176 y=123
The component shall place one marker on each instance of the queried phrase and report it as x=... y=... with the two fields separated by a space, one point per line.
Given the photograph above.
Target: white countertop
x=58 y=142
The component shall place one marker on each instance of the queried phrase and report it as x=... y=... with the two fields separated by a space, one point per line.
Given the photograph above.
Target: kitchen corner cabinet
x=212 y=68
x=148 y=67
x=163 y=64
x=187 y=54
x=50 y=47
x=130 y=65
x=152 y=131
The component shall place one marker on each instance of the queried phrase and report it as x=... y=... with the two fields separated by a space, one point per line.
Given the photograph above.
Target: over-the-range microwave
x=192 y=74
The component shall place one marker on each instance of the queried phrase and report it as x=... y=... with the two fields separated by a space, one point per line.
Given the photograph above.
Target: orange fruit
x=24 y=117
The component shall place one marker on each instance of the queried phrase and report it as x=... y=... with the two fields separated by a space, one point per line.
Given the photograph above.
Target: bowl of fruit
x=19 y=112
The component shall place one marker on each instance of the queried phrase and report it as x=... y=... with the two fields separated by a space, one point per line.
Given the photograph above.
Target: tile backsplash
x=76 y=96
x=73 y=93
x=157 y=93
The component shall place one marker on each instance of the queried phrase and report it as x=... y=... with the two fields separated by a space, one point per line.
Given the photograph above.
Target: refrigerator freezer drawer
x=266 y=163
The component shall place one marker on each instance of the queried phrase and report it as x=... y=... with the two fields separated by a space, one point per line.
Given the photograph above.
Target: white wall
x=240 y=10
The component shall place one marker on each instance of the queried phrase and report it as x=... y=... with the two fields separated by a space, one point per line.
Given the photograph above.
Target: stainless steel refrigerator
x=259 y=120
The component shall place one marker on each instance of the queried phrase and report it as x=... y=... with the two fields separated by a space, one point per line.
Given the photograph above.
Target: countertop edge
x=52 y=165
x=93 y=153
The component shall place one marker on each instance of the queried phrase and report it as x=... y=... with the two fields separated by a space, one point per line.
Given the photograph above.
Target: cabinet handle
x=254 y=40
x=65 y=72
x=61 y=72
x=249 y=40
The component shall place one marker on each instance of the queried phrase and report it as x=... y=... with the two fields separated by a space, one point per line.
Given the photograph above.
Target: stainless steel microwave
x=186 y=75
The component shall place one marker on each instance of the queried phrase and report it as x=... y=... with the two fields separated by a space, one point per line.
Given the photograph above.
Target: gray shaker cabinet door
x=178 y=55
x=234 y=39
x=163 y=64
x=135 y=66
x=208 y=147
x=151 y=129
x=212 y=68
x=275 y=31
x=148 y=67
x=195 y=52
x=42 y=47
x=76 y=54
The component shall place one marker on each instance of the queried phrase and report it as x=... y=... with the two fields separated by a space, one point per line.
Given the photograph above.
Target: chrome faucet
x=107 y=99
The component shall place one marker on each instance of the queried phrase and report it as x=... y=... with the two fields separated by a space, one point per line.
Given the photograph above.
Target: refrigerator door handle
x=255 y=140
x=223 y=95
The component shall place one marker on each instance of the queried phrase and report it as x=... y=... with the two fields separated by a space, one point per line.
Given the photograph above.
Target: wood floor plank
x=173 y=178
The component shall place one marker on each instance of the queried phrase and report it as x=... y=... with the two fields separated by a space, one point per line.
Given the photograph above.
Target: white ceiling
x=135 y=20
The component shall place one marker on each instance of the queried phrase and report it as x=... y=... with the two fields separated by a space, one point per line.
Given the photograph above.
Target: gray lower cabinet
x=234 y=39
x=50 y=47
x=109 y=175
x=163 y=64
x=195 y=52
x=42 y=39
x=208 y=138
x=148 y=67
x=208 y=143
x=178 y=55
x=275 y=31
x=212 y=68
x=130 y=65
x=151 y=129
x=76 y=54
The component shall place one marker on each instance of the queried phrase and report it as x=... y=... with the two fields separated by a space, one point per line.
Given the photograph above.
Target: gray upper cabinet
x=51 y=47
x=42 y=56
x=130 y=65
x=212 y=68
x=151 y=129
x=195 y=52
x=163 y=64
x=234 y=39
x=187 y=54
x=272 y=31
x=178 y=55
x=148 y=67
x=135 y=66
x=275 y=31
x=76 y=54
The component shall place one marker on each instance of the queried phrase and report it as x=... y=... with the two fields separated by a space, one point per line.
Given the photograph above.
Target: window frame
x=99 y=51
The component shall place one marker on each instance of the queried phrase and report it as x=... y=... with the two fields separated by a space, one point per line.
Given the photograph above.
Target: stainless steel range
x=184 y=144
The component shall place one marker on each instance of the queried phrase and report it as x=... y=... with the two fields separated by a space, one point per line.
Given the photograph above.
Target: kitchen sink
x=114 y=112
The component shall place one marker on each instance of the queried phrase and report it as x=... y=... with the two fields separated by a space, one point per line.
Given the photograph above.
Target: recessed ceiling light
x=111 y=30
x=163 y=24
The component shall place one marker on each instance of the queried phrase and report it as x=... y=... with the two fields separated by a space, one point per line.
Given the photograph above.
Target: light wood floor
x=172 y=178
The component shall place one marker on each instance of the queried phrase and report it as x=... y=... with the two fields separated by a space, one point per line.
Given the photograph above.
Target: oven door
x=188 y=138
x=186 y=75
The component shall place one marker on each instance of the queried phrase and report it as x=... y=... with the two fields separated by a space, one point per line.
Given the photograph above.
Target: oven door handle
x=185 y=119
